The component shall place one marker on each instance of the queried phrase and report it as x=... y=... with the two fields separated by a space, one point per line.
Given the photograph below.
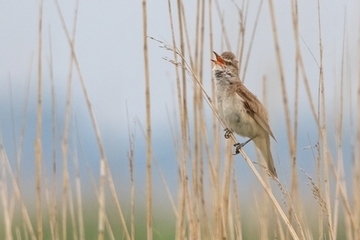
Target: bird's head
x=224 y=70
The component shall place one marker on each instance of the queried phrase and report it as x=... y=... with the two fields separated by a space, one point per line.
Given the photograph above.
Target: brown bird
x=239 y=109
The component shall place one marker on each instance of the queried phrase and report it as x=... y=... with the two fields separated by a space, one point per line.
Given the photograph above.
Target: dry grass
x=208 y=201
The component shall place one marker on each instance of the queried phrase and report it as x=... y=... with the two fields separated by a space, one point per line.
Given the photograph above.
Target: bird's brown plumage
x=228 y=86
x=252 y=104
x=254 y=107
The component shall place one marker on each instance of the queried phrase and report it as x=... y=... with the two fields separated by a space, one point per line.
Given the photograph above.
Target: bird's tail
x=263 y=144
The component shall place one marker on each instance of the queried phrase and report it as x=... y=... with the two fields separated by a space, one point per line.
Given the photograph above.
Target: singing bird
x=240 y=109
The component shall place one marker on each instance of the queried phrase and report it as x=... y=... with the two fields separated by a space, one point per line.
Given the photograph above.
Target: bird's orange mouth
x=219 y=60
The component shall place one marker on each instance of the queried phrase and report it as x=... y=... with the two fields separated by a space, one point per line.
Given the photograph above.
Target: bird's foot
x=238 y=146
x=227 y=133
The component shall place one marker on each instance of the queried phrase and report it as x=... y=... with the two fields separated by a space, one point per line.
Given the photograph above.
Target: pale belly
x=236 y=118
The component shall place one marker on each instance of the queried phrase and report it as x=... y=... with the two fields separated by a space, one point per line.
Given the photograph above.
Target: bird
x=239 y=109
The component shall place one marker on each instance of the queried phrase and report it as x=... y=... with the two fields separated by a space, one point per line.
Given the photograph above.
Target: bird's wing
x=255 y=108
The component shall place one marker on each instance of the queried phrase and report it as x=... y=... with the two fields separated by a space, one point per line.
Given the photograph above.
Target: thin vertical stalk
x=53 y=196
x=198 y=160
x=38 y=142
x=132 y=183
x=229 y=162
x=356 y=163
x=339 y=173
x=215 y=165
x=11 y=205
x=74 y=229
x=238 y=225
x=5 y=199
x=282 y=76
x=148 y=127
x=294 y=189
x=247 y=60
x=195 y=160
x=64 y=143
x=25 y=215
x=80 y=217
x=325 y=150
x=223 y=28
x=242 y=31
x=180 y=227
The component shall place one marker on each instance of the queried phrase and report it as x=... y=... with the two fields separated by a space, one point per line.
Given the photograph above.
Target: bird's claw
x=227 y=133
x=238 y=146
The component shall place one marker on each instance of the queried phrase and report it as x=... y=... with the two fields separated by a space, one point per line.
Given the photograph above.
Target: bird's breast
x=235 y=116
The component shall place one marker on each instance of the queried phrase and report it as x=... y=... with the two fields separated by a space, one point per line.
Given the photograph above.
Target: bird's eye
x=230 y=74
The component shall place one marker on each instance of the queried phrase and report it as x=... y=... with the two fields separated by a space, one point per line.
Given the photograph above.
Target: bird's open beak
x=219 y=60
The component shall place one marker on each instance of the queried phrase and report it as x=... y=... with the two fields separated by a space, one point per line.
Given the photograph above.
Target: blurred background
x=108 y=41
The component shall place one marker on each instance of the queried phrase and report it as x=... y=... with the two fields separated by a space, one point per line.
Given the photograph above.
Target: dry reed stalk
x=223 y=28
x=24 y=113
x=12 y=122
x=149 y=227
x=222 y=224
x=49 y=204
x=318 y=175
x=215 y=164
x=80 y=218
x=11 y=205
x=280 y=230
x=339 y=173
x=65 y=140
x=72 y=216
x=262 y=213
x=356 y=162
x=52 y=201
x=323 y=133
x=38 y=141
x=4 y=199
x=242 y=30
x=180 y=229
x=247 y=59
x=132 y=183
x=294 y=189
x=28 y=228
x=238 y=225
x=215 y=127
x=205 y=218
x=197 y=160
x=264 y=210
x=115 y=198
x=106 y=220
x=282 y=77
x=79 y=205
x=65 y=191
